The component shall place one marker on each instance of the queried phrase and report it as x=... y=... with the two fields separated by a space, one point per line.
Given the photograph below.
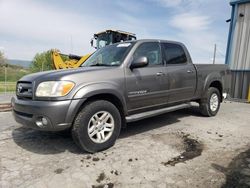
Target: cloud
x=39 y=24
x=170 y=3
x=35 y=26
x=196 y=30
x=39 y=21
x=190 y=21
x=180 y=4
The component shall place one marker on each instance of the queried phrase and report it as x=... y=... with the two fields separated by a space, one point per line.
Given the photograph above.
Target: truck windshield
x=111 y=55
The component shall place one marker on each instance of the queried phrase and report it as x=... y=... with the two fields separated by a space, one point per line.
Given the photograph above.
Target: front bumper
x=59 y=115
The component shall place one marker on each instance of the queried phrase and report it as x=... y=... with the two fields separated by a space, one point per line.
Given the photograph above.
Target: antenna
x=71 y=44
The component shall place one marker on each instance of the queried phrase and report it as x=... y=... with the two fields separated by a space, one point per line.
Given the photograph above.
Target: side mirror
x=92 y=43
x=139 y=62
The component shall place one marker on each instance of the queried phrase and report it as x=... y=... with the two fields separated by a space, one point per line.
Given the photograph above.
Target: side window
x=174 y=54
x=151 y=50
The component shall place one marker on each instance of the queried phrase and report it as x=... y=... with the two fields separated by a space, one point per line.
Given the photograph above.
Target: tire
x=212 y=96
x=97 y=126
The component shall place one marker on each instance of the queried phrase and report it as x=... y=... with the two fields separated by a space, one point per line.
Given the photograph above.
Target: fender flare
x=209 y=79
x=92 y=89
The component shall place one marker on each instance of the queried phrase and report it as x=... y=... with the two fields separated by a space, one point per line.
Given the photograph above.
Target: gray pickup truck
x=120 y=83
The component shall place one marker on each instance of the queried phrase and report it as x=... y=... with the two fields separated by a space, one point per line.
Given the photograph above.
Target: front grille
x=24 y=90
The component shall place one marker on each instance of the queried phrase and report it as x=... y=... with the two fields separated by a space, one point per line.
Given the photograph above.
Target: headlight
x=54 y=88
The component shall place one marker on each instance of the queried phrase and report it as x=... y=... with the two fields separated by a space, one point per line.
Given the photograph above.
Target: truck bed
x=205 y=71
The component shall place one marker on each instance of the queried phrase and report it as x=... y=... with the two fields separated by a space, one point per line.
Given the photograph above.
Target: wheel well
x=108 y=97
x=218 y=85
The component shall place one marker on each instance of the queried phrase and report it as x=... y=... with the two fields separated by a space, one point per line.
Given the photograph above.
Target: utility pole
x=214 y=53
x=42 y=66
x=5 y=78
x=71 y=44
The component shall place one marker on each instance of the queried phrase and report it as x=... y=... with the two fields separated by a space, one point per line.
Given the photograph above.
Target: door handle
x=159 y=73
x=190 y=71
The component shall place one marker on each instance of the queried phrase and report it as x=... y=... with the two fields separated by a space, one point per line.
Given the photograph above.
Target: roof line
x=233 y=2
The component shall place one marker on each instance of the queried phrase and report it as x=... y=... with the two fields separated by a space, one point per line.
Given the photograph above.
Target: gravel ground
x=179 y=149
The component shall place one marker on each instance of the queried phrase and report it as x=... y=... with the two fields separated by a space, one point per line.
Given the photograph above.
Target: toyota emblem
x=19 y=88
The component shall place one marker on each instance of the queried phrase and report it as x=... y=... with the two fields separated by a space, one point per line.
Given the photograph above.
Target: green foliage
x=42 y=62
x=13 y=73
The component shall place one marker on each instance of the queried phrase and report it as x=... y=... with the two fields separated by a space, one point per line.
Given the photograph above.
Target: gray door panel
x=146 y=87
x=182 y=82
x=180 y=72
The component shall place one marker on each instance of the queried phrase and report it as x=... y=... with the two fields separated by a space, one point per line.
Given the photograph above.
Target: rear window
x=174 y=54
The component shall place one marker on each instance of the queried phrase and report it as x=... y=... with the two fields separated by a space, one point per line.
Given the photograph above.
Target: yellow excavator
x=101 y=39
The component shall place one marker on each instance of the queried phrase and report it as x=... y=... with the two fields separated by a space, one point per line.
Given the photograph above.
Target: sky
x=28 y=27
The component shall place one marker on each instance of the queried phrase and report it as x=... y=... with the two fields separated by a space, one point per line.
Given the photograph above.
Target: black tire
x=80 y=127
x=205 y=107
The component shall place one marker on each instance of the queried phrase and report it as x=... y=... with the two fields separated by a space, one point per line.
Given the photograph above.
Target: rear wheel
x=210 y=105
x=97 y=126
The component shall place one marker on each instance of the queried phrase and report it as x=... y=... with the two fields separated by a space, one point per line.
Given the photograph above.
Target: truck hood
x=58 y=74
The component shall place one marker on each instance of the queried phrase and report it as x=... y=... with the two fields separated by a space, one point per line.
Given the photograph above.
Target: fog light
x=44 y=121
x=39 y=124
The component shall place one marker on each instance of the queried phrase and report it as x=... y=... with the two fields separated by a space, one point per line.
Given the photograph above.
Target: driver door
x=147 y=86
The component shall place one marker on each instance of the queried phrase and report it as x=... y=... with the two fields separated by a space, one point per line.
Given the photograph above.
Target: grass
x=8 y=87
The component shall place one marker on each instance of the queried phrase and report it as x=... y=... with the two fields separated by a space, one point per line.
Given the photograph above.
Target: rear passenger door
x=180 y=72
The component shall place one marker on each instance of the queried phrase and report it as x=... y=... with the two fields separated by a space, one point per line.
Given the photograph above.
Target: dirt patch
x=171 y=139
x=192 y=147
x=116 y=172
x=101 y=177
x=59 y=171
x=95 y=159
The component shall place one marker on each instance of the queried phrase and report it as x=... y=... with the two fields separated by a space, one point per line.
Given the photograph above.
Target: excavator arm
x=72 y=62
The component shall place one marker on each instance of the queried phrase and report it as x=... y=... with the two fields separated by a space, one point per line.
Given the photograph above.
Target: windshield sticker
x=123 y=45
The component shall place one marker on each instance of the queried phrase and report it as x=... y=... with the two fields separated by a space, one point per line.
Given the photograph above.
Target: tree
x=42 y=62
x=3 y=60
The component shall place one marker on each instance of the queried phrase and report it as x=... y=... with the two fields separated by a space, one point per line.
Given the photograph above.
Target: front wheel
x=97 y=126
x=211 y=104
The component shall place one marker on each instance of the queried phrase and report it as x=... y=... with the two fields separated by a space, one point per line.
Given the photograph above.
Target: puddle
x=192 y=147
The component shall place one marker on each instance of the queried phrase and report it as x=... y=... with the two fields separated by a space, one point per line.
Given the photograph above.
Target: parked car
x=120 y=83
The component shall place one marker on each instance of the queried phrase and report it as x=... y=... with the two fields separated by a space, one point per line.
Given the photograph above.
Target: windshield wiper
x=100 y=64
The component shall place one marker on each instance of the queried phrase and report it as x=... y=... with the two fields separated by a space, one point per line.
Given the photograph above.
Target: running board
x=152 y=113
